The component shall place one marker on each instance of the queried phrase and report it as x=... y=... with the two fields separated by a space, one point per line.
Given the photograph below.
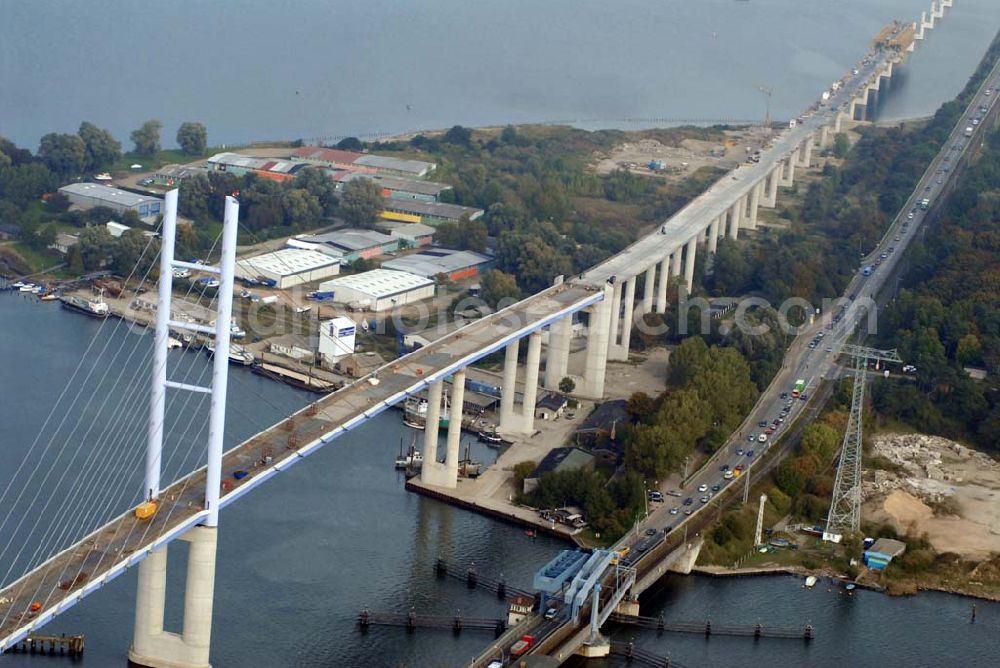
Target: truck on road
x=968 y=131
x=522 y=645
x=800 y=385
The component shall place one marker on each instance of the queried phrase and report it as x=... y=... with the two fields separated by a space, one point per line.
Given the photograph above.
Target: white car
x=762 y=438
x=728 y=475
x=702 y=488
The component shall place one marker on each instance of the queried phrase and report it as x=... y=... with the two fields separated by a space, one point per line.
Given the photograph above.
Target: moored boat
x=810 y=581
x=415 y=412
x=237 y=353
x=94 y=309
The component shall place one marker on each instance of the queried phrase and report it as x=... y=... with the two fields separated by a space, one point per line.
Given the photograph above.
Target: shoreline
x=820 y=574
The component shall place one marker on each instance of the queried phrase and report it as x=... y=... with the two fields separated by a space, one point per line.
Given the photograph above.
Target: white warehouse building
x=289 y=266
x=379 y=289
x=336 y=339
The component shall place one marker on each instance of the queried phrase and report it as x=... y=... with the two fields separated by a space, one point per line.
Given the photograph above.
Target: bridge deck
x=714 y=202
x=125 y=541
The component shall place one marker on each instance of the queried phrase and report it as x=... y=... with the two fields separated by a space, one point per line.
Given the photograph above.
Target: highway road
x=813 y=356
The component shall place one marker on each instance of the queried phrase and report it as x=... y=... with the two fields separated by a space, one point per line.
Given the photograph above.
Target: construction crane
x=845 y=508
x=767 y=107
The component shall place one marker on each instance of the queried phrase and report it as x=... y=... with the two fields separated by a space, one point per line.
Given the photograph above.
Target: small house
x=882 y=552
x=550 y=406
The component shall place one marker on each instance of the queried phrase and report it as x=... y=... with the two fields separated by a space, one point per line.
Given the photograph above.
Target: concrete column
x=734 y=219
x=807 y=152
x=824 y=136
x=649 y=290
x=692 y=246
x=508 y=389
x=675 y=262
x=432 y=425
x=628 y=314
x=595 y=366
x=199 y=592
x=531 y=382
x=713 y=235
x=771 y=199
x=789 y=179
x=150 y=597
x=751 y=221
x=836 y=122
x=151 y=645
x=616 y=301
x=557 y=356
x=661 y=288
x=450 y=478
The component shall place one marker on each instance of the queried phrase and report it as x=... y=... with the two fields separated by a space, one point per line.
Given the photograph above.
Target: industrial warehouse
x=379 y=289
x=289 y=267
x=90 y=195
x=428 y=213
x=363 y=162
x=348 y=244
x=424 y=191
x=453 y=265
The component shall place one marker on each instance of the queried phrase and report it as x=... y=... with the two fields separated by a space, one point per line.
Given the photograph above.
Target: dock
x=412 y=621
x=64 y=645
x=707 y=628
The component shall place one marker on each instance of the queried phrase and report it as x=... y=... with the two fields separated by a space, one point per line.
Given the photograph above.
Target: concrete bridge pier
x=598 y=333
x=713 y=235
x=675 y=262
x=619 y=353
x=154 y=647
x=661 y=288
x=508 y=388
x=805 y=152
x=734 y=220
x=649 y=289
x=786 y=178
x=751 y=219
x=433 y=472
x=824 y=137
x=770 y=199
x=557 y=356
x=512 y=420
x=692 y=247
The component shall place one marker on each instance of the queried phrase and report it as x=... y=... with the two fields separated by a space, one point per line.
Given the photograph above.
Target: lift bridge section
x=845 y=509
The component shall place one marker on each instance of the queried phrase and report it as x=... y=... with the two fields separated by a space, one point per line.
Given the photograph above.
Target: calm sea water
x=301 y=557
x=259 y=69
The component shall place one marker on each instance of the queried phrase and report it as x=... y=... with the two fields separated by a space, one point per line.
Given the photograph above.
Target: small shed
x=294 y=346
x=359 y=364
x=882 y=552
x=550 y=406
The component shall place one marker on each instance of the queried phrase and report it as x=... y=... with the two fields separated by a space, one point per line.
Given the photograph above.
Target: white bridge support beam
x=153 y=646
x=661 y=288
x=824 y=137
x=689 y=255
x=508 y=389
x=649 y=289
x=531 y=382
x=713 y=235
x=627 y=320
x=755 y=192
x=805 y=152
x=598 y=333
x=771 y=197
x=557 y=355
x=616 y=314
x=734 y=220
x=787 y=172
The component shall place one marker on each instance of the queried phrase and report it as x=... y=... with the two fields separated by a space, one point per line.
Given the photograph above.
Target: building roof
x=178 y=171
x=407 y=230
x=433 y=261
x=562 y=459
x=320 y=154
x=66 y=240
x=394 y=183
x=416 y=167
x=606 y=415
x=287 y=261
x=433 y=209
x=888 y=546
x=349 y=239
x=260 y=164
x=378 y=283
x=551 y=401
x=108 y=194
x=294 y=340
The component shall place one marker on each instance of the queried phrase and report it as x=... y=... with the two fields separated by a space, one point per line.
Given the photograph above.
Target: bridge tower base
x=152 y=647
x=595 y=648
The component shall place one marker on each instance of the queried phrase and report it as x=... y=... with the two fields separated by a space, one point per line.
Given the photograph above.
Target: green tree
x=147 y=137
x=96 y=245
x=319 y=184
x=350 y=144
x=133 y=252
x=521 y=471
x=457 y=135
x=639 y=406
x=302 y=210
x=361 y=202
x=63 y=154
x=819 y=440
x=101 y=148
x=193 y=197
x=23 y=183
x=841 y=145
x=497 y=287
x=192 y=137
x=462 y=235
x=567 y=385
x=686 y=360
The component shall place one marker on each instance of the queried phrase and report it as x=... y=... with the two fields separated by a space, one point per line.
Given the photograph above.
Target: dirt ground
x=682 y=160
x=932 y=472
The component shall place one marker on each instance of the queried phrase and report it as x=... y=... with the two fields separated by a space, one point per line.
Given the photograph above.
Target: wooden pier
x=470 y=576
x=632 y=654
x=71 y=646
x=412 y=621
x=707 y=628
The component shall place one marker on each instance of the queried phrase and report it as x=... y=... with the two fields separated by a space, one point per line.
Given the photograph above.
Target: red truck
x=522 y=645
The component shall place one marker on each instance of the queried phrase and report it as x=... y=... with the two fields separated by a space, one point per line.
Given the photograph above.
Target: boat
x=811 y=581
x=492 y=438
x=415 y=412
x=466 y=467
x=237 y=353
x=850 y=586
x=95 y=309
x=411 y=458
x=27 y=287
x=16 y=285
x=49 y=297
x=530 y=533
x=103 y=176
x=296 y=379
